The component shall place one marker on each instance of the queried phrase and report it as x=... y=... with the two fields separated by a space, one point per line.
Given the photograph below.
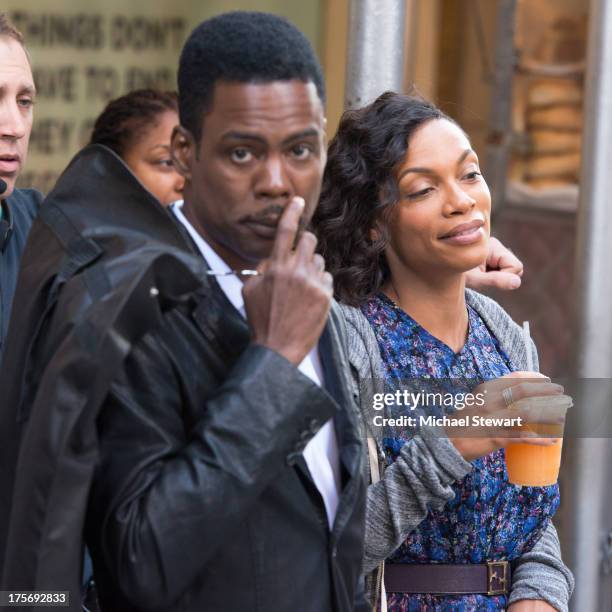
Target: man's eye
x=241 y=155
x=25 y=102
x=472 y=176
x=301 y=151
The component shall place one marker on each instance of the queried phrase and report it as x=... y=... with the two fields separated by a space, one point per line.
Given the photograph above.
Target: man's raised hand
x=287 y=305
x=502 y=270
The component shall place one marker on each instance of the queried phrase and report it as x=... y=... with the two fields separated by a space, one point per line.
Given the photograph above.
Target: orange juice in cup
x=530 y=465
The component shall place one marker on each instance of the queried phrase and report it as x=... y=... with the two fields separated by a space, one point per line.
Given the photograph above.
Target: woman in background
x=138 y=127
x=404 y=215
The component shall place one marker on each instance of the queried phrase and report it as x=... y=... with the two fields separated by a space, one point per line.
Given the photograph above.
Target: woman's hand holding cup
x=508 y=398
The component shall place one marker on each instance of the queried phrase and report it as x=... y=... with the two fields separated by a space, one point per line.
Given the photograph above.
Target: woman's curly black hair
x=124 y=119
x=360 y=189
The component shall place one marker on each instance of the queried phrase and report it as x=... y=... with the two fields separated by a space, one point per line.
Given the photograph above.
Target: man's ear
x=182 y=151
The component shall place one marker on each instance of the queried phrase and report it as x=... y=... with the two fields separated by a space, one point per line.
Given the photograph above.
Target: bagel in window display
x=552 y=92
x=553 y=141
x=565 y=118
x=552 y=166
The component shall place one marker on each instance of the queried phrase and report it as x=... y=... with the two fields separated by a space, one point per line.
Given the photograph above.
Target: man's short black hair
x=243 y=47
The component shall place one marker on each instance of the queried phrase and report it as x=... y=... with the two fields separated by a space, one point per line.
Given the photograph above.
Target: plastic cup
x=530 y=465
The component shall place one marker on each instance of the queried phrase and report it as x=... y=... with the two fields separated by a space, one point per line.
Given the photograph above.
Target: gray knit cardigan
x=422 y=476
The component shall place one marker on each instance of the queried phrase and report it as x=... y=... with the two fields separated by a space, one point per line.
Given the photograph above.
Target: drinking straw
x=527 y=342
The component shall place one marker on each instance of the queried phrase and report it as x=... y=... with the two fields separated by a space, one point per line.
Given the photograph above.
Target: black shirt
x=18 y=212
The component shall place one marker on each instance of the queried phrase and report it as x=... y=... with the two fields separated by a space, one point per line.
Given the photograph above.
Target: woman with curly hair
x=404 y=215
x=138 y=127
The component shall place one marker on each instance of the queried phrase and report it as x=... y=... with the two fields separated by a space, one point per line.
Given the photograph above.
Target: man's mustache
x=270 y=212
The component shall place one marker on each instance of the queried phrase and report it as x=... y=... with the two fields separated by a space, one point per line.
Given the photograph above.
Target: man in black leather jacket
x=210 y=452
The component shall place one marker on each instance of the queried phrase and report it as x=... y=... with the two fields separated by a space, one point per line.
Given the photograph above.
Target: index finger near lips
x=287 y=229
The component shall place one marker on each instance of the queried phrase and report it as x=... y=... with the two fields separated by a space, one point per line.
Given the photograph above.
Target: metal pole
x=410 y=43
x=590 y=469
x=500 y=115
x=375 y=50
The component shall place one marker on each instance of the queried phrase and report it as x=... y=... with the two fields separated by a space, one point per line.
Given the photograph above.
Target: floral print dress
x=489 y=518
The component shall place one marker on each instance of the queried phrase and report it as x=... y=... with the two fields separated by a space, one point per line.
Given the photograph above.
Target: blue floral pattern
x=489 y=518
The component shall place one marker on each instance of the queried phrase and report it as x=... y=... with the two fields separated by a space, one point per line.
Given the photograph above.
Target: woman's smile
x=465 y=233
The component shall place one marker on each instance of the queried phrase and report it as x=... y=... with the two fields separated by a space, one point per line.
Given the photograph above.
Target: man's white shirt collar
x=230 y=284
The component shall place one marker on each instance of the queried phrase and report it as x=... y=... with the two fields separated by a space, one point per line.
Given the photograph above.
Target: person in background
x=138 y=127
x=18 y=207
x=404 y=217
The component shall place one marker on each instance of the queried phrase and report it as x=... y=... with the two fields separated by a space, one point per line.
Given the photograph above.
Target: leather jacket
x=139 y=414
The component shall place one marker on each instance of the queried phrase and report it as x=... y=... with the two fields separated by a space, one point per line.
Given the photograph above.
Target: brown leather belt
x=491 y=578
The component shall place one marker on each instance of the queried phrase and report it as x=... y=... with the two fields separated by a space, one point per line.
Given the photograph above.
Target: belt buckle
x=497 y=577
